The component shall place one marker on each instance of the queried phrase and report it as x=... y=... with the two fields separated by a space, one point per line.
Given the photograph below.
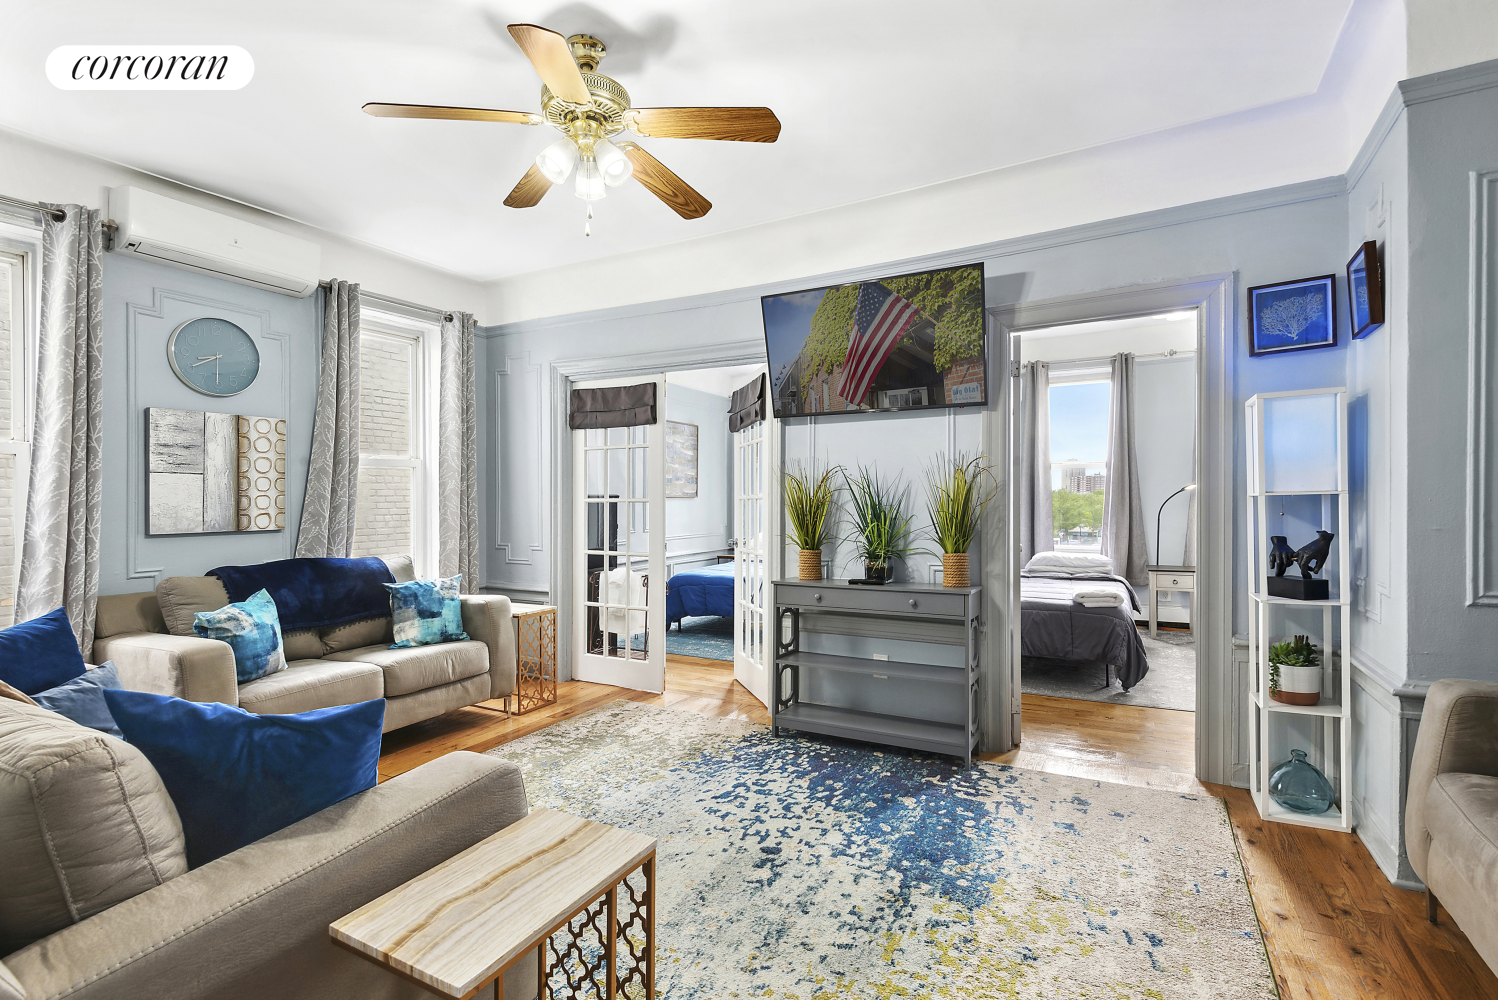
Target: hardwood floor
x=1334 y=927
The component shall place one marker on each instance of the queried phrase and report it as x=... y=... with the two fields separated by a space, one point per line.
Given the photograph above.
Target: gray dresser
x=929 y=613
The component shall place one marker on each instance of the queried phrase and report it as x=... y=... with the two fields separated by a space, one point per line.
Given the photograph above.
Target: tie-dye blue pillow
x=426 y=611
x=252 y=629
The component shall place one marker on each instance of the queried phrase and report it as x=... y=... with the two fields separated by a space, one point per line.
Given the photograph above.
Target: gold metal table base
x=535 y=657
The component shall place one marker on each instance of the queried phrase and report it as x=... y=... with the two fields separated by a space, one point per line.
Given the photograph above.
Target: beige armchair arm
x=254 y=924
x=486 y=617
x=1458 y=732
x=182 y=665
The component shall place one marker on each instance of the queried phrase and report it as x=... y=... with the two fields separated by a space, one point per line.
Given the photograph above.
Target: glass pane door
x=755 y=485
x=619 y=482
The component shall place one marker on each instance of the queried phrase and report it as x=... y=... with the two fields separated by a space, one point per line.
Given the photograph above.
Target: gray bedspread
x=1055 y=626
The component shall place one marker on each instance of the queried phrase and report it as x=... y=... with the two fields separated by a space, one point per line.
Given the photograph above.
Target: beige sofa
x=1451 y=813
x=96 y=902
x=149 y=637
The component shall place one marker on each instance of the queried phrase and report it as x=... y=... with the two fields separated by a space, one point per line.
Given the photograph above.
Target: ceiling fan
x=590 y=109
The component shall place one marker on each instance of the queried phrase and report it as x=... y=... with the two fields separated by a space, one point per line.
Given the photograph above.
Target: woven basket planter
x=954 y=570
x=811 y=564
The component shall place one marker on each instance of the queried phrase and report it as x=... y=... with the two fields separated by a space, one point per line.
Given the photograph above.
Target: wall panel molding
x=527 y=379
x=135 y=433
x=1482 y=394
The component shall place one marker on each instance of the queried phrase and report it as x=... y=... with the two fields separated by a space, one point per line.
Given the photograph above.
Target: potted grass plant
x=957 y=492
x=880 y=530
x=809 y=500
x=1295 y=672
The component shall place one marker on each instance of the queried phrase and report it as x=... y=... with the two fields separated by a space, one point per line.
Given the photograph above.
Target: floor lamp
x=1161 y=511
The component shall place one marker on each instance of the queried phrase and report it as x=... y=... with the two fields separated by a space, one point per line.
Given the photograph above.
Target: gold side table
x=535 y=656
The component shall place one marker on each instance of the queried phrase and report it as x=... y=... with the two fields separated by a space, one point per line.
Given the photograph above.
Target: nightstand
x=1170 y=579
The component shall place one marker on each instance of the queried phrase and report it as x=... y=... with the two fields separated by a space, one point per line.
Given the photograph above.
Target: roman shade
x=615 y=406
x=747 y=406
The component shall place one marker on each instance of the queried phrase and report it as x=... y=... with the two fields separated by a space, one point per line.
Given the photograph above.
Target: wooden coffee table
x=460 y=926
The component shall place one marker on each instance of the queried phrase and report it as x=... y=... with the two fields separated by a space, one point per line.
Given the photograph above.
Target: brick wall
x=382 y=523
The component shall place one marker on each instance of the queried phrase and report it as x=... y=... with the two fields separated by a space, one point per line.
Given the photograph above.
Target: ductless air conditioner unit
x=186 y=236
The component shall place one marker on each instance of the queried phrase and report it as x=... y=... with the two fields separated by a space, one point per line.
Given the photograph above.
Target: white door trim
x=1221 y=715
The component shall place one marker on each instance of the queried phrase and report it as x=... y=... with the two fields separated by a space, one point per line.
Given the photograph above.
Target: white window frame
x=21 y=251
x=425 y=337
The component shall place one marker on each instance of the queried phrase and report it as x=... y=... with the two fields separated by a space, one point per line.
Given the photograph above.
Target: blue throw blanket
x=314 y=593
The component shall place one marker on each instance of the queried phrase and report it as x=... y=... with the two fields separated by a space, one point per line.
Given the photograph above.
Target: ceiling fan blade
x=451 y=114
x=531 y=189
x=552 y=57
x=739 y=124
x=665 y=185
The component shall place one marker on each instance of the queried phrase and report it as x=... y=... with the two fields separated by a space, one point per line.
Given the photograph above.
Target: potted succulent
x=880 y=530
x=957 y=491
x=808 y=508
x=1295 y=672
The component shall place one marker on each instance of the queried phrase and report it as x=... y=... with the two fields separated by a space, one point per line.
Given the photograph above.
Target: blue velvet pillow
x=40 y=654
x=82 y=698
x=252 y=629
x=236 y=777
x=426 y=612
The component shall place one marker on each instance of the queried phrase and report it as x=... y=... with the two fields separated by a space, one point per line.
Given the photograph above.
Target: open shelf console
x=954 y=610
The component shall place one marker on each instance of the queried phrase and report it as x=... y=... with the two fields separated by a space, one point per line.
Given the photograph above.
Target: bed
x=1055 y=626
x=695 y=592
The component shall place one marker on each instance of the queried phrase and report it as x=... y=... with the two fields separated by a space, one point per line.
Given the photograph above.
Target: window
x=397 y=501
x=17 y=323
x=1079 y=461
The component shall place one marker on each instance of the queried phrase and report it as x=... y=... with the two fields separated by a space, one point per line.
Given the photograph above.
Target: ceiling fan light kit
x=590 y=109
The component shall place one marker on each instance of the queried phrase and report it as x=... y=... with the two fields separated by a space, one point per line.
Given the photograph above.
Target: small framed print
x=681 y=459
x=1365 y=290
x=1292 y=315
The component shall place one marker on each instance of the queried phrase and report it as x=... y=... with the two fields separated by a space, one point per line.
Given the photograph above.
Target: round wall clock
x=213 y=356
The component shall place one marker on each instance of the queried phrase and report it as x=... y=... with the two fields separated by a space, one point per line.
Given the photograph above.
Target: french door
x=756 y=485
x=619 y=542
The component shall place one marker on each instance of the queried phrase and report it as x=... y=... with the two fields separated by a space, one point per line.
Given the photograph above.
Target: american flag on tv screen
x=879 y=321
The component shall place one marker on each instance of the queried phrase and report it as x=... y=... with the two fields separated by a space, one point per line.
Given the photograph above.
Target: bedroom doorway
x=1062 y=491
x=721 y=458
x=1107 y=416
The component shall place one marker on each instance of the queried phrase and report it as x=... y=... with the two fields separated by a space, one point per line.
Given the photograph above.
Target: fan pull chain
x=588 y=226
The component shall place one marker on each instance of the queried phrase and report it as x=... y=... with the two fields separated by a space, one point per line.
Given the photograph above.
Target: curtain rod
x=1172 y=353
x=51 y=213
x=325 y=285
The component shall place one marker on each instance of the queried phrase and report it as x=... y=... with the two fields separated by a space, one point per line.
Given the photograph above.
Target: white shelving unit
x=1297 y=447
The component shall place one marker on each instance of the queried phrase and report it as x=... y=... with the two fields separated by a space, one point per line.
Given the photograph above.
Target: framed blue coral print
x=1292 y=315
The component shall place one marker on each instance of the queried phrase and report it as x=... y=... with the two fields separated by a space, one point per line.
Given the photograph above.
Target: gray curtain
x=457 y=456
x=327 y=527
x=60 y=550
x=1124 y=539
x=1036 y=531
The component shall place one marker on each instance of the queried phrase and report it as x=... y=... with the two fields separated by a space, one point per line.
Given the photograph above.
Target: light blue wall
x=1271 y=236
x=142 y=304
x=700 y=524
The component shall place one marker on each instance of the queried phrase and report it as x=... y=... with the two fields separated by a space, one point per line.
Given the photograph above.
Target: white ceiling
x=718 y=381
x=875 y=97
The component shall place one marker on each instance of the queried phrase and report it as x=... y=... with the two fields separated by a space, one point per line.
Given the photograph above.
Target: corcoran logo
x=150 y=67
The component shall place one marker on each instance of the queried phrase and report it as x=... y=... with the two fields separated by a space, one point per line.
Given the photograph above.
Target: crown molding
x=1249 y=201
x=1449 y=83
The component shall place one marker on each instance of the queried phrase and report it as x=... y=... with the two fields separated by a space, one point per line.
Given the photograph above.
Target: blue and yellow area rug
x=810 y=869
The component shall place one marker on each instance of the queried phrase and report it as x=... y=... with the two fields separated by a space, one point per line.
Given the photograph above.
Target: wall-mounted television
x=908 y=342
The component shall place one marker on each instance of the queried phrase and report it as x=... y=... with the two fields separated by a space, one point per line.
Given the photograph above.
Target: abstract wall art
x=681 y=459
x=1292 y=315
x=214 y=472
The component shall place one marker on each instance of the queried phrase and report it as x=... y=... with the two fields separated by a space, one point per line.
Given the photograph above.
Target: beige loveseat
x=150 y=638
x=96 y=902
x=1451 y=814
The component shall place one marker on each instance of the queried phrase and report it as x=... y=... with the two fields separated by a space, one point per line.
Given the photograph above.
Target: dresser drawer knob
x=817 y=598
x=912 y=602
